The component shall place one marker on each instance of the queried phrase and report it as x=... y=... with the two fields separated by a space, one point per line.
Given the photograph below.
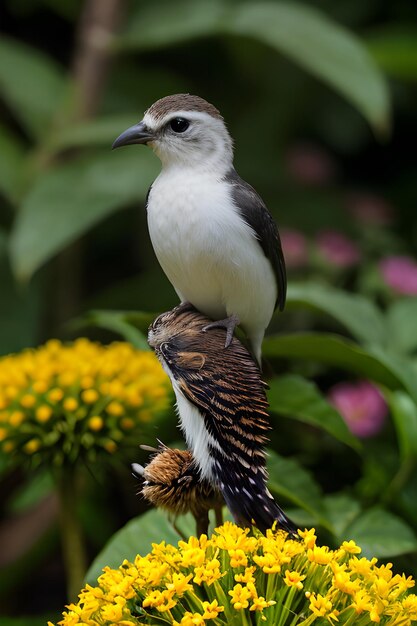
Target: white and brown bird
x=171 y=481
x=211 y=232
x=223 y=412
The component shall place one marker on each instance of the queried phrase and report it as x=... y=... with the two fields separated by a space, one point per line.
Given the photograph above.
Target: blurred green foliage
x=320 y=98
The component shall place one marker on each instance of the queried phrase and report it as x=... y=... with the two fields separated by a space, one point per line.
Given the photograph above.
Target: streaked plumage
x=171 y=481
x=223 y=412
x=211 y=232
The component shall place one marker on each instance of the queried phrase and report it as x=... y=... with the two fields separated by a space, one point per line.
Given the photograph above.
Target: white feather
x=208 y=252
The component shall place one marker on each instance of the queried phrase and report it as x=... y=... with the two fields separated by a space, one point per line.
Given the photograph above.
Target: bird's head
x=183 y=130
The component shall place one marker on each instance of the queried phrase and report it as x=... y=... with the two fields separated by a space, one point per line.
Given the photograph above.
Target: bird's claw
x=229 y=323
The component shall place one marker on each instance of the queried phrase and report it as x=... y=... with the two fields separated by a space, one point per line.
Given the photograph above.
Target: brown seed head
x=172 y=482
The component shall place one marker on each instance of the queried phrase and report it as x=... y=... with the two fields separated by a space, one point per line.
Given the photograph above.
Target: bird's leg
x=173 y=521
x=229 y=323
x=218 y=511
x=202 y=521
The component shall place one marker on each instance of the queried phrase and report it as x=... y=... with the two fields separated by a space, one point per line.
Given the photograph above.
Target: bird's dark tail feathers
x=249 y=499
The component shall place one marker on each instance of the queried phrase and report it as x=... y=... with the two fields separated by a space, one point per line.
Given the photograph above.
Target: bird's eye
x=179 y=124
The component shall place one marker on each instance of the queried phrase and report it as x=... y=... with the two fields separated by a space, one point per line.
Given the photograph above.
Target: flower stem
x=72 y=537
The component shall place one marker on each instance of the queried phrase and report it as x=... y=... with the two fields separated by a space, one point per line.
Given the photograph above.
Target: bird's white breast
x=208 y=252
x=196 y=434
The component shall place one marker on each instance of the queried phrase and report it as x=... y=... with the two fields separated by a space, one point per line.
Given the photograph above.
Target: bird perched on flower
x=222 y=408
x=172 y=482
x=211 y=232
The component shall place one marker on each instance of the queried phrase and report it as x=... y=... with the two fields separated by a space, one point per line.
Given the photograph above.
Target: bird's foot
x=229 y=323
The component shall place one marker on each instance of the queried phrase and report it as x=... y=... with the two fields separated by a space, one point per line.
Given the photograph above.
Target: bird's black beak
x=138 y=133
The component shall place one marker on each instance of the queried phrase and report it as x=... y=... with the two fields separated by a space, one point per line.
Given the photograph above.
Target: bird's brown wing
x=230 y=397
x=255 y=213
x=226 y=387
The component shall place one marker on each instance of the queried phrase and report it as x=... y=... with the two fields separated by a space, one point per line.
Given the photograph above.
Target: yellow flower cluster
x=235 y=578
x=60 y=402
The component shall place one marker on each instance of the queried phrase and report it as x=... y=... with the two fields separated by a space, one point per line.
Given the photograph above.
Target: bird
x=171 y=481
x=211 y=232
x=223 y=412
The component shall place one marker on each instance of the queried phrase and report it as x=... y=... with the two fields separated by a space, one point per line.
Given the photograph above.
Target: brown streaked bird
x=223 y=412
x=211 y=232
x=172 y=482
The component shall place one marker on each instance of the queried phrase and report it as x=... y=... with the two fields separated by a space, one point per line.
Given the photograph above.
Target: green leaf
x=31 y=84
x=165 y=23
x=296 y=397
x=382 y=534
x=400 y=366
x=332 y=350
x=99 y=132
x=137 y=537
x=404 y=413
x=35 y=489
x=11 y=164
x=402 y=325
x=374 y=363
x=355 y=312
x=125 y=323
x=322 y=47
x=302 y=33
x=70 y=199
x=341 y=510
x=394 y=48
x=290 y=480
x=19 y=311
x=25 y=621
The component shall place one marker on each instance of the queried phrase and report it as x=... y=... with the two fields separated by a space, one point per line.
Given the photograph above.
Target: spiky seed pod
x=172 y=482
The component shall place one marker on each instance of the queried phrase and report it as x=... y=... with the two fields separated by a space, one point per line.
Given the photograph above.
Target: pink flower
x=338 y=249
x=369 y=209
x=361 y=405
x=310 y=165
x=294 y=246
x=400 y=273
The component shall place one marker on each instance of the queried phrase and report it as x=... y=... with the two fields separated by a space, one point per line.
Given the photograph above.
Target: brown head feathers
x=181 y=102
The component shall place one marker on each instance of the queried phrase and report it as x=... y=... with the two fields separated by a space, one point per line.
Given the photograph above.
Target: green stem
x=72 y=537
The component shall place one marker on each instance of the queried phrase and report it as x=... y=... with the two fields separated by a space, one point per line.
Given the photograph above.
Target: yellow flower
x=212 y=609
x=208 y=573
x=190 y=619
x=90 y=396
x=114 y=612
x=196 y=581
x=28 y=401
x=247 y=577
x=342 y=580
x=269 y=563
x=95 y=423
x=115 y=408
x=294 y=579
x=55 y=395
x=180 y=583
x=409 y=606
x=43 y=413
x=309 y=537
x=361 y=601
x=32 y=446
x=259 y=604
x=71 y=404
x=52 y=403
x=16 y=418
x=321 y=606
x=238 y=558
x=350 y=547
x=320 y=554
x=240 y=596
